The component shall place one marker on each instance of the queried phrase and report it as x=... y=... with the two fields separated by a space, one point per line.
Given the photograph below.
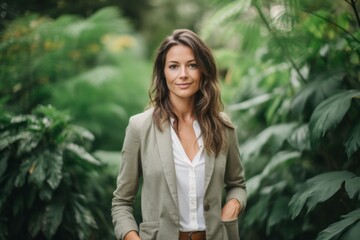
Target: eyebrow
x=192 y=60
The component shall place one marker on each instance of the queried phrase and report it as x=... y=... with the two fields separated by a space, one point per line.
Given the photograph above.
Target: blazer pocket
x=231 y=230
x=148 y=230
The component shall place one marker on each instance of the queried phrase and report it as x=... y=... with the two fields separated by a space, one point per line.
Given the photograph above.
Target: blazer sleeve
x=127 y=183
x=234 y=176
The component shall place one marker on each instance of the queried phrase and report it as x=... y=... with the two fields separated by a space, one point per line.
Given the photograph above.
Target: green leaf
x=322 y=86
x=52 y=218
x=84 y=220
x=52 y=120
x=353 y=142
x=259 y=212
x=4 y=162
x=23 y=172
x=48 y=112
x=45 y=192
x=336 y=229
x=253 y=184
x=35 y=221
x=300 y=138
x=82 y=132
x=352 y=233
x=5 y=136
x=352 y=187
x=112 y=160
x=277 y=160
x=82 y=154
x=275 y=163
x=272 y=112
x=38 y=173
x=318 y=189
x=279 y=212
x=6 y=142
x=19 y=119
x=274 y=135
x=54 y=171
x=28 y=142
x=329 y=113
x=248 y=104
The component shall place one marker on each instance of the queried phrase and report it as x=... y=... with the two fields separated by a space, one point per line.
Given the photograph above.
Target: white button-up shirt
x=190 y=176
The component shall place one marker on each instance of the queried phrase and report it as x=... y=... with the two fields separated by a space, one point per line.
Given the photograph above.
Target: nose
x=183 y=73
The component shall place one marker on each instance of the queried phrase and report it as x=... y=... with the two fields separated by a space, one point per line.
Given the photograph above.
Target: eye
x=173 y=66
x=193 y=66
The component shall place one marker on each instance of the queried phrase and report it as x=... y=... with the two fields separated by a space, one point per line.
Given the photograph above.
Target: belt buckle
x=190 y=235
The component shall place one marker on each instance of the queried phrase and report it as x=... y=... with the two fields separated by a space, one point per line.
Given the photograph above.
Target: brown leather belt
x=197 y=235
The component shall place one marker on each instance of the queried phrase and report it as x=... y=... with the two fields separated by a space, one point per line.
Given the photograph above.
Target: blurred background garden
x=73 y=72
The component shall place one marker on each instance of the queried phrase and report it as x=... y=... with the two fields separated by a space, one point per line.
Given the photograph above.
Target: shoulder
x=226 y=120
x=143 y=117
x=141 y=120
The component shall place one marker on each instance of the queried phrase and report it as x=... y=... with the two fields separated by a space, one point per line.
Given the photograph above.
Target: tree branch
x=279 y=42
x=353 y=5
x=335 y=24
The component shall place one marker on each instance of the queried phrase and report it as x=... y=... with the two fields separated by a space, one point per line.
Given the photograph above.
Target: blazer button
x=206 y=207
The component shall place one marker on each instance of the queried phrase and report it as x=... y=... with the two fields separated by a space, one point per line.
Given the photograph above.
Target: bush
x=50 y=185
x=94 y=68
x=291 y=82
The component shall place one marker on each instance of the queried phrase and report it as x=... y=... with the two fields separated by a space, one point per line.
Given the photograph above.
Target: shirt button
x=206 y=207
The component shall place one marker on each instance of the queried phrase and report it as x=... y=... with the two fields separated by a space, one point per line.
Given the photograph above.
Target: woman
x=184 y=149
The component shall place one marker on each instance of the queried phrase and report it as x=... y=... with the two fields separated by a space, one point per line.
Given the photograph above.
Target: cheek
x=169 y=75
x=168 y=80
x=166 y=75
x=198 y=73
x=198 y=77
x=200 y=81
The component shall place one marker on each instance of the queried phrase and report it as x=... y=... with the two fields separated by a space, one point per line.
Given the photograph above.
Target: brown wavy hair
x=208 y=105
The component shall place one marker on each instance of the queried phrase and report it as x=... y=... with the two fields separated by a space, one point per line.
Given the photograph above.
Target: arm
x=127 y=185
x=132 y=235
x=234 y=181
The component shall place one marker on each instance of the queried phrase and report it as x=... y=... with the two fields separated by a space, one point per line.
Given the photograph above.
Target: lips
x=183 y=85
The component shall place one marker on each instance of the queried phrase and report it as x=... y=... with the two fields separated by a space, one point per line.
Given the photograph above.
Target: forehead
x=179 y=53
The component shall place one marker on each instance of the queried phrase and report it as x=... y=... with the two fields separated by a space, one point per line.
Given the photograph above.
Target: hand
x=132 y=235
x=231 y=210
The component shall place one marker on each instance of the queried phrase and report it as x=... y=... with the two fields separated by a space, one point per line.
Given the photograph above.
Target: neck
x=184 y=109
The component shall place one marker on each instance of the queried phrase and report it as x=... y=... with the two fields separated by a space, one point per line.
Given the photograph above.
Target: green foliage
x=290 y=73
x=322 y=86
x=270 y=139
x=93 y=68
x=147 y=17
x=353 y=143
x=320 y=188
x=348 y=227
x=330 y=112
x=49 y=183
x=220 y=16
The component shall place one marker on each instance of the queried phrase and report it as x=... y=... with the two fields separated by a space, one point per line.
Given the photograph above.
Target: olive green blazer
x=147 y=152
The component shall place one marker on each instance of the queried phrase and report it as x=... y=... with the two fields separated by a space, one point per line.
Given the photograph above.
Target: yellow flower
x=116 y=43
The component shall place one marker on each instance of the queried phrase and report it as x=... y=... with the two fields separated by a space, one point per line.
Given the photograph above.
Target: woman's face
x=182 y=73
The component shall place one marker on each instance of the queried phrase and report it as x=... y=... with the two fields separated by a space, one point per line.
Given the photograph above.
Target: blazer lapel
x=209 y=168
x=166 y=155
